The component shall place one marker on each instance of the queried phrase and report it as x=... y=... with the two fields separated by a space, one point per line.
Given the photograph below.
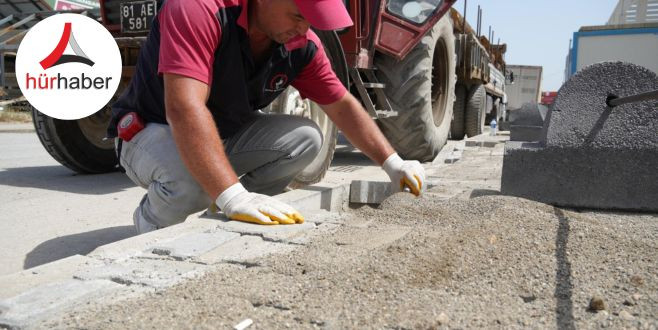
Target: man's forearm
x=203 y=151
x=360 y=129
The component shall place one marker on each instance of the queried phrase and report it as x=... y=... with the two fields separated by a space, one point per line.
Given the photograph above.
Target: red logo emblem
x=58 y=57
x=278 y=81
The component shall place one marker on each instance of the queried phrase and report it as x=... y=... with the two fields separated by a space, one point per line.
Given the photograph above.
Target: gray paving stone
x=50 y=299
x=483 y=144
x=323 y=216
x=276 y=233
x=330 y=197
x=136 y=245
x=369 y=192
x=485 y=141
x=60 y=270
x=450 y=153
x=143 y=272
x=192 y=244
x=375 y=192
x=243 y=250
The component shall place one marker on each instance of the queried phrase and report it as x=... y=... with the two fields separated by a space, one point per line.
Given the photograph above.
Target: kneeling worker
x=204 y=70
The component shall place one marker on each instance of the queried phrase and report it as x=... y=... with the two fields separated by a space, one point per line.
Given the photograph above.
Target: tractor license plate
x=136 y=16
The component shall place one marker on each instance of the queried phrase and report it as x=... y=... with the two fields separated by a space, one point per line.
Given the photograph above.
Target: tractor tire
x=290 y=102
x=475 y=110
x=421 y=88
x=78 y=144
x=457 y=125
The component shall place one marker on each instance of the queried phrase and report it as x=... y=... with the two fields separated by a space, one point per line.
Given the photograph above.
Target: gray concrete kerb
x=162 y=258
x=16 y=128
x=485 y=140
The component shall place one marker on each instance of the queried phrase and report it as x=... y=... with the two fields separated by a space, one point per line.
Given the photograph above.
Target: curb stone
x=130 y=267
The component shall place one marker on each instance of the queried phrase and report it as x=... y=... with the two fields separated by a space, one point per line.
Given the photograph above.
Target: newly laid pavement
x=73 y=237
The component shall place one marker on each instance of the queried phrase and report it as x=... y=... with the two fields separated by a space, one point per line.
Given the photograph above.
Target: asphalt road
x=48 y=212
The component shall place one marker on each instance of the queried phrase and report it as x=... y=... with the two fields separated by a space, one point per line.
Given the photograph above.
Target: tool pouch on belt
x=129 y=125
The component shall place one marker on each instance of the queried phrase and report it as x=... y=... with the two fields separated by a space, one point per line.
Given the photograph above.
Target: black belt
x=118 y=150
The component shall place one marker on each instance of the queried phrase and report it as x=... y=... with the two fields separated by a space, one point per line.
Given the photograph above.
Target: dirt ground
x=477 y=261
x=12 y=116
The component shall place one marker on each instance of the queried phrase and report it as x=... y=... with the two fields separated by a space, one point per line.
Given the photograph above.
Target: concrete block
x=329 y=197
x=479 y=143
x=243 y=250
x=136 y=245
x=591 y=155
x=42 y=302
x=14 y=284
x=579 y=177
x=141 y=272
x=375 y=192
x=530 y=114
x=369 y=192
x=192 y=244
x=485 y=141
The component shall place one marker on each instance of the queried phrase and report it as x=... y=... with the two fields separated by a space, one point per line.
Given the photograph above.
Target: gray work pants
x=267 y=153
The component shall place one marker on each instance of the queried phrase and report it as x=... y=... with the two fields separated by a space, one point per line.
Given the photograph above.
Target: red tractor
x=398 y=58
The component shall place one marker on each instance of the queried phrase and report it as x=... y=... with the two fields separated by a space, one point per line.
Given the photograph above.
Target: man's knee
x=173 y=201
x=310 y=139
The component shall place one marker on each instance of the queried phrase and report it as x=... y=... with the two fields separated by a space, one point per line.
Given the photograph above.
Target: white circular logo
x=68 y=66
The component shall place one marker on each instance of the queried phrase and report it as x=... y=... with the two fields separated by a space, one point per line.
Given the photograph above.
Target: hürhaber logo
x=68 y=66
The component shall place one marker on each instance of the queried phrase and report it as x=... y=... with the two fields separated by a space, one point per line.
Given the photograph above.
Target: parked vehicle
x=399 y=58
x=547 y=98
x=526 y=87
x=480 y=89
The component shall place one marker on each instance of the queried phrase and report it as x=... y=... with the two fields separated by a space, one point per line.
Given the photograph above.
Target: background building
x=631 y=35
x=634 y=11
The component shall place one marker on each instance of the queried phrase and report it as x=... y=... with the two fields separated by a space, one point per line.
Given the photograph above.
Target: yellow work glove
x=405 y=174
x=239 y=204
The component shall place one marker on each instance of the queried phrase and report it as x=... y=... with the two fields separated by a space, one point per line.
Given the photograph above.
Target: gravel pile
x=490 y=261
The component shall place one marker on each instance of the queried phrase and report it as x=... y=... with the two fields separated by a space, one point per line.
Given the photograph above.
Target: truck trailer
x=526 y=87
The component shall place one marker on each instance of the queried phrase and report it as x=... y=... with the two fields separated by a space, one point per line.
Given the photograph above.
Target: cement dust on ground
x=467 y=262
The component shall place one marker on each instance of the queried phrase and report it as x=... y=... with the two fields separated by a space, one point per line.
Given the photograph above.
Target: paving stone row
x=160 y=259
